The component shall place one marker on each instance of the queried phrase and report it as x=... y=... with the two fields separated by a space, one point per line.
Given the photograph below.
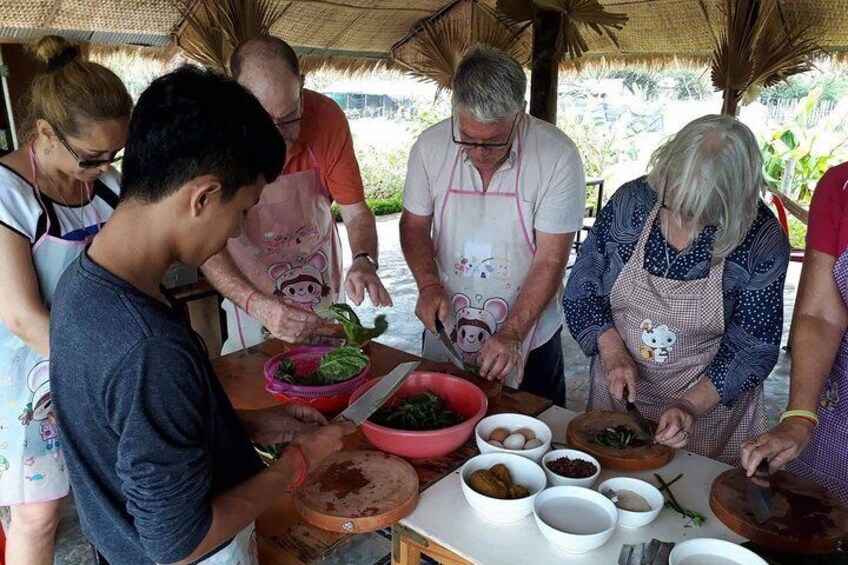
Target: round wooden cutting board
x=358 y=491
x=807 y=517
x=583 y=429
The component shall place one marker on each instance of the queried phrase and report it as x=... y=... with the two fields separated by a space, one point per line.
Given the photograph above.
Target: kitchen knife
x=448 y=345
x=759 y=493
x=643 y=424
x=377 y=395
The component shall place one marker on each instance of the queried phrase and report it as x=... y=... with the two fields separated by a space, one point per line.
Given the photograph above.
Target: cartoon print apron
x=673 y=330
x=825 y=459
x=32 y=467
x=289 y=247
x=484 y=251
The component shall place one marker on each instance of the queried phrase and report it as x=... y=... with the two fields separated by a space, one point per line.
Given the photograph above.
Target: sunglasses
x=475 y=145
x=86 y=163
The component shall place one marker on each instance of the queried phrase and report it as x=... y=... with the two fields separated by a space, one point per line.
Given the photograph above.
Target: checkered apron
x=673 y=330
x=825 y=460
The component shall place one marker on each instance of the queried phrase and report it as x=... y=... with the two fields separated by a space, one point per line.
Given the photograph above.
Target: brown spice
x=572 y=468
x=342 y=479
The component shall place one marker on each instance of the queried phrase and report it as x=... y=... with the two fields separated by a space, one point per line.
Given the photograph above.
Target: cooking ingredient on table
x=422 y=412
x=337 y=366
x=629 y=500
x=496 y=482
x=519 y=440
x=696 y=517
x=572 y=468
x=619 y=437
x=357 y=335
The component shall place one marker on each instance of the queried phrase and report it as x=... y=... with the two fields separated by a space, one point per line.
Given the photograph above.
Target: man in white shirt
x=492 y=200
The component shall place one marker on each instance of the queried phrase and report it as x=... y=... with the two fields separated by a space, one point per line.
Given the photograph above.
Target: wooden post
x=545 y=66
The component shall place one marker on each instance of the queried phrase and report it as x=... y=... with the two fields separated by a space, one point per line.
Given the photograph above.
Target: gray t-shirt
x=148 y=433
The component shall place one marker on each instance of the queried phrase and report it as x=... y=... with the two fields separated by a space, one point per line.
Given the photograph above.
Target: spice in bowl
x=572 y=468
x=629 y=500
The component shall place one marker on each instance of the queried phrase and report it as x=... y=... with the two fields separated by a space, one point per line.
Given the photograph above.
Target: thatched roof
x=353 y=33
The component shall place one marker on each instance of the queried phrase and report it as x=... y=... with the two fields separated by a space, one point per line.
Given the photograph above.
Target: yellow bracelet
x=806 y=414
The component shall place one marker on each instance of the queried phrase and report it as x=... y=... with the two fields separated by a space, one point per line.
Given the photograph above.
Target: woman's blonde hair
x=710 y=173
x=73 y=92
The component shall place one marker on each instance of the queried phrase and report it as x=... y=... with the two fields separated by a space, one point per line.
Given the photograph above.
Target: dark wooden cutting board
x=807 y=518
x=583 y=429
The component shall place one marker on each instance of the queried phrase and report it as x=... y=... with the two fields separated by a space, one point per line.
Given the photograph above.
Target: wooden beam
x=545 y=66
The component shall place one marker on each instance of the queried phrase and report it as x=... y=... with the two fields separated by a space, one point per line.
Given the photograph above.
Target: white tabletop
x=443 y=516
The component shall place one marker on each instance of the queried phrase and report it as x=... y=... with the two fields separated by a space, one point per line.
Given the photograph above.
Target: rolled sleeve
x=417 y=190
x=163 y=462
x=826 y=210
x=561 y=207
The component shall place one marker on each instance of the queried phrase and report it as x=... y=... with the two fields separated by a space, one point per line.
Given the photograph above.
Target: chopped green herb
x=419 y=413
x=337 y=366
x=619 y=437
x=696 y=518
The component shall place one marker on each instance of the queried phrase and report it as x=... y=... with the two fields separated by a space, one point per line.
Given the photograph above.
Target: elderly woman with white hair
x=492 y=200
x=677 y=293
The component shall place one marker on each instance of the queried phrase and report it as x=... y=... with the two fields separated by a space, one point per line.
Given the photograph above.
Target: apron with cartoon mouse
x=825 y=459
x=32 y=467
x=484 y=252
x=289 y=247
x=673 y=330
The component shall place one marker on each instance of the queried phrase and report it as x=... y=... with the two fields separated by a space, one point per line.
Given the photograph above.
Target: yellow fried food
x=501 y=473
x=488 y=484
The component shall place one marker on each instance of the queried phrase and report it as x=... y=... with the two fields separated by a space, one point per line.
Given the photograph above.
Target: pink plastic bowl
x=461 y=396
x=306 y=360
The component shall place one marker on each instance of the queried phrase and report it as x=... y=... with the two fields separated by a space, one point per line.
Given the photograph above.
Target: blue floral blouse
x=753 y=279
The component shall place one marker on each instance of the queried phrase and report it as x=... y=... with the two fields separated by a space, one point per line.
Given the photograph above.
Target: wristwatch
x=367 y=257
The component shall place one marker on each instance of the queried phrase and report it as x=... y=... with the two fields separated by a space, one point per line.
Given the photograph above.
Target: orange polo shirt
x=325 y=129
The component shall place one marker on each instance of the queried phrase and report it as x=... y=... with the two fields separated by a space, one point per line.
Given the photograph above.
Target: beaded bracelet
x=805 y=414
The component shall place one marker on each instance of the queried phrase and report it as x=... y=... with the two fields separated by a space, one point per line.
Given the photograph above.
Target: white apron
x=32 y=467
x=484 y=252
x=241 y=551
x=289 y=246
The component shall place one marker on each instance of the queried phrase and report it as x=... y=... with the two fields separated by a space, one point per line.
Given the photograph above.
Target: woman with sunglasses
x=56 y=192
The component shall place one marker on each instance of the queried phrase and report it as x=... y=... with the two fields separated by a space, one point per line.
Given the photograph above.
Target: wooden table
x=445 y=527
x=282 y=535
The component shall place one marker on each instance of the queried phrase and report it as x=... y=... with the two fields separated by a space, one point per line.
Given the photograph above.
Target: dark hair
x=265 y=47
x=193 y=122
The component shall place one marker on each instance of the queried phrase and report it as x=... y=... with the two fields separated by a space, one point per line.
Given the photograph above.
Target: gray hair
x=490 y=84
x=710 y=173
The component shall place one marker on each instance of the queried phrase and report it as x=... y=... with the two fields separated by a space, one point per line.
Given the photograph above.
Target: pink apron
x=32 y=467
x=825 y=460
x=289 y=247
x=673 y=330
x=484 y=251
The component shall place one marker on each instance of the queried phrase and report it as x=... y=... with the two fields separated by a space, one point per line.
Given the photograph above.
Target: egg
x=496 y=443
x=499 y=434
x=515 y=441
x=527 y=433
x=533 y=443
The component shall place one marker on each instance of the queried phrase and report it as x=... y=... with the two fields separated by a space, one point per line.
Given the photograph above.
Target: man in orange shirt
x=286 y=264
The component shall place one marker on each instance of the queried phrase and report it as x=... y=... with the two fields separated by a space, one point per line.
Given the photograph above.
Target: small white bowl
x=513 y=422
x=556 y=480
x=708 y=550
x=652 y=495
x=523 y=472
x=575 y=519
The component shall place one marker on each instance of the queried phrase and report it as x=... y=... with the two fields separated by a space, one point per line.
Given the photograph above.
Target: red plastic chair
x=796 y=254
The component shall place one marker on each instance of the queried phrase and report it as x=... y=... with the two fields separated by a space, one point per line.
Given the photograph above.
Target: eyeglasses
x=487 y=145
x=86 y=163
x=284 y=123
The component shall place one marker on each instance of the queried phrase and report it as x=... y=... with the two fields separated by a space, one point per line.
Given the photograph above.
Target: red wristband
x=303 y=466
x=247 y=302
x=429 y=285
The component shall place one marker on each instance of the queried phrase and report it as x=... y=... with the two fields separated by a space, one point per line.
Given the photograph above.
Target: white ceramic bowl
x=513 y=422
x=575 y=519
x=523 y=472
x=706 y=551
x=558 y=480
x=651 y=494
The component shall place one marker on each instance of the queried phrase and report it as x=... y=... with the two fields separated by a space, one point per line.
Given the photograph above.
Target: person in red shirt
x=287 y=264
x=810 y=439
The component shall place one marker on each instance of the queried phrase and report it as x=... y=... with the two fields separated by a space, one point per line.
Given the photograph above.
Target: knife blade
x=377 y=395
x=643 y=424
x=447 y=344
x=759 y=493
